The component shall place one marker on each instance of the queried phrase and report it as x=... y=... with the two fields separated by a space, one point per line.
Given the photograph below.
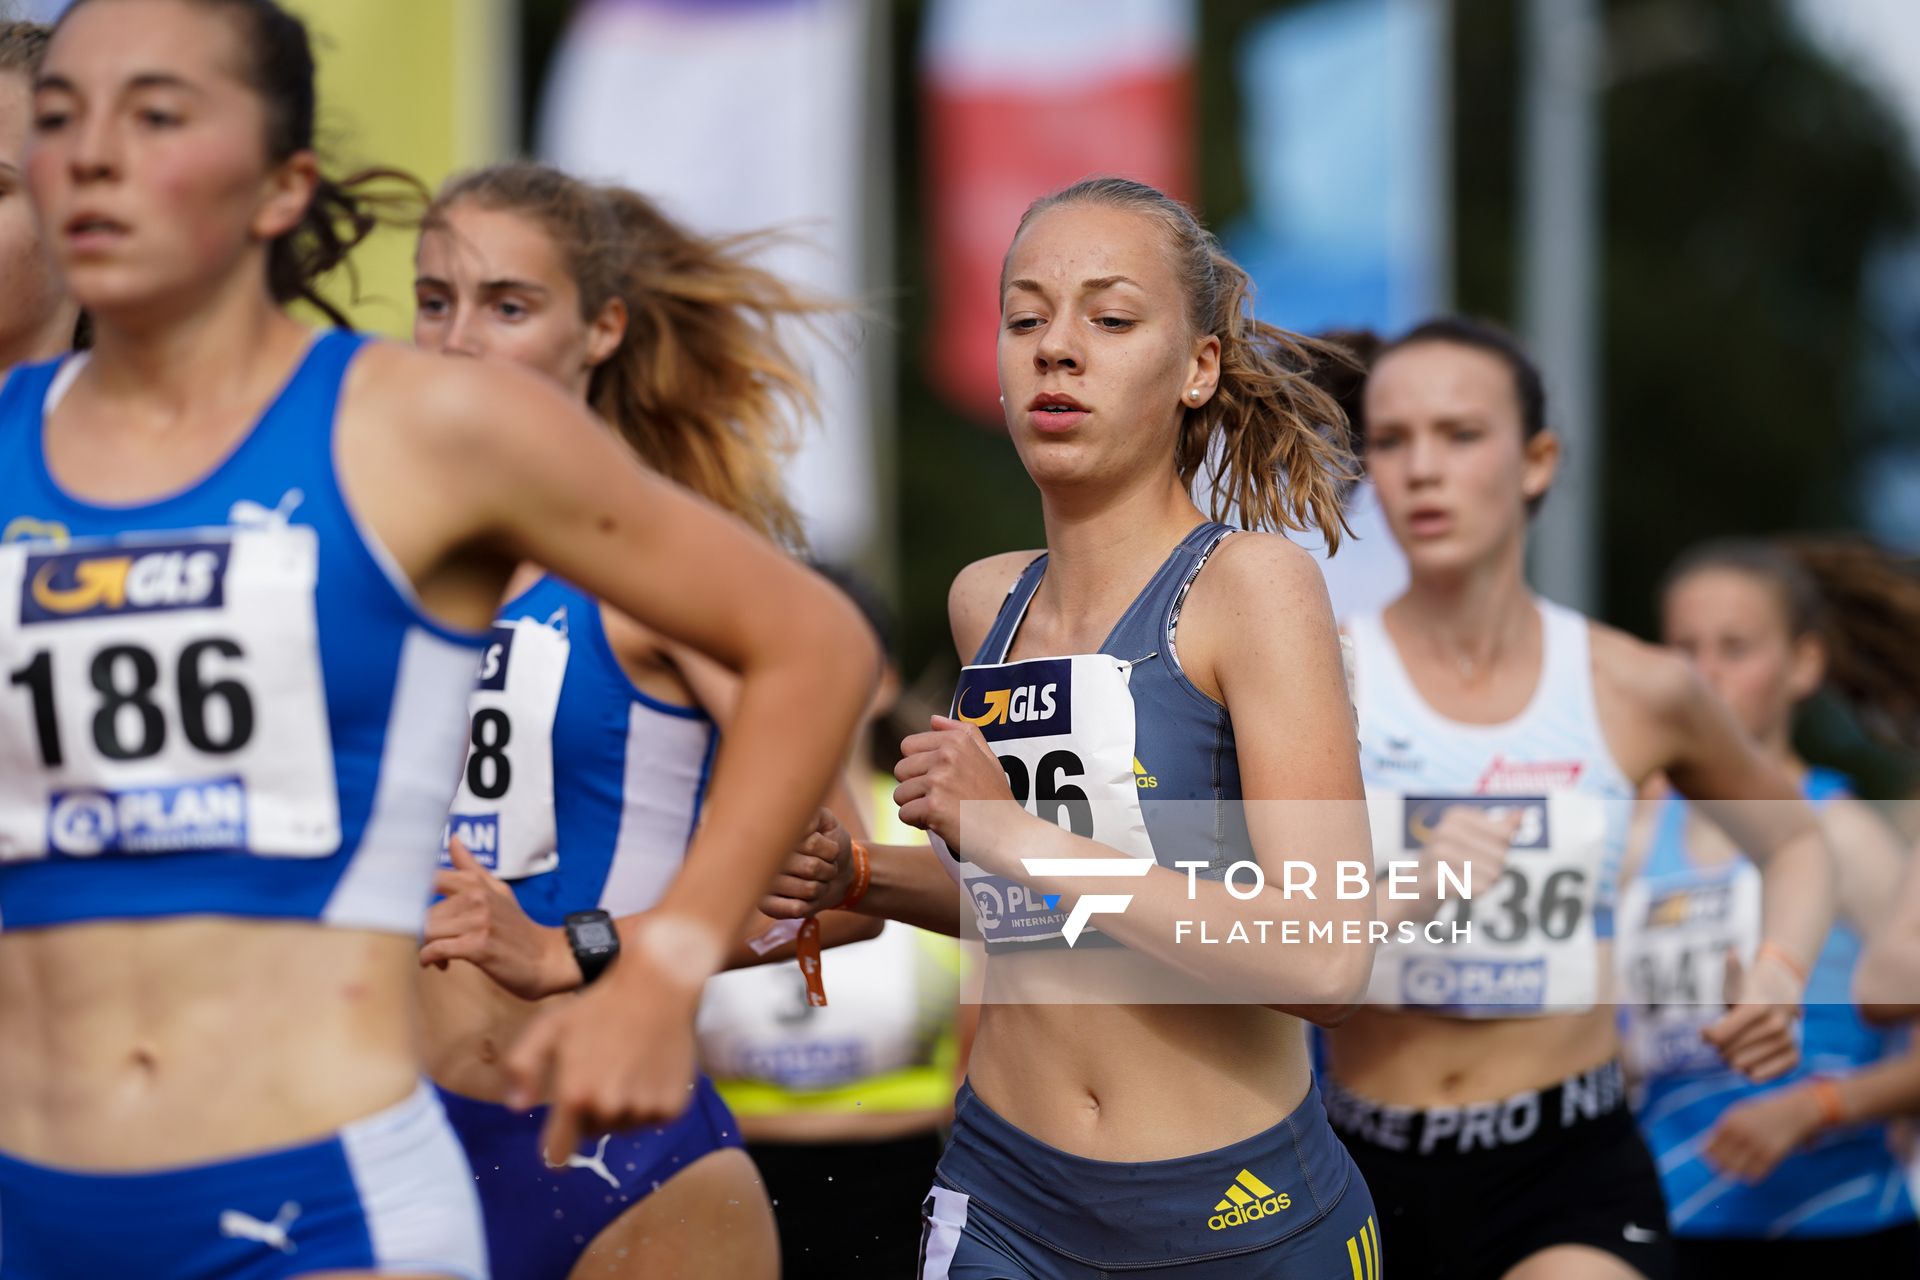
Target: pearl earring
x=1194 y=394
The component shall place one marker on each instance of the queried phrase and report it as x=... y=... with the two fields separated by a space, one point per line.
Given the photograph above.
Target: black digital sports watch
x=595 y=943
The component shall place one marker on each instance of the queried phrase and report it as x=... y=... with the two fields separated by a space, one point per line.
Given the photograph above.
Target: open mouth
x=1055 y=404
x=92 y=225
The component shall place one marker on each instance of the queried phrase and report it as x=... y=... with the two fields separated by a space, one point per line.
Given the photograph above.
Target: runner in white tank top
x=1505 y=737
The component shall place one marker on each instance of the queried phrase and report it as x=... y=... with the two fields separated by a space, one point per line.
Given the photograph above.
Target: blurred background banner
x=1020 y=99
x=425 y=86
x=739 y=115
x=1344 y=135
x=1345 y=153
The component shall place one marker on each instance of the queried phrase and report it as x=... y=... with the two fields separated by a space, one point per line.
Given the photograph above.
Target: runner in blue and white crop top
x=580 y=791
x=1679 y=917
x=222 y=702
x=225 y=702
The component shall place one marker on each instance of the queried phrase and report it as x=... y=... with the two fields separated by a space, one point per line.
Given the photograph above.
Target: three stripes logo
x=1363 y=1251
x=1248 y=1200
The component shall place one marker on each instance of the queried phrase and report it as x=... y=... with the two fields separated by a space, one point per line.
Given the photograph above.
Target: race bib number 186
x=164 y=695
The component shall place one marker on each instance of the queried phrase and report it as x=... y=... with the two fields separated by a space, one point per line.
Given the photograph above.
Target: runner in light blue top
x=1795 y=1175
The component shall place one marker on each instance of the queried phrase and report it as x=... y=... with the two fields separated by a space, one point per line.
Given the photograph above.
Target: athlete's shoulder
x=1653 y=680
x=465 y=399
x=977 y=593
x=1262 y=575
x=1264 y=560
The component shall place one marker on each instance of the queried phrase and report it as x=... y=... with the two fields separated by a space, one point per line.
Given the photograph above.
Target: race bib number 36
x=1063 y=730
x=1524 y=944
x=164 y=695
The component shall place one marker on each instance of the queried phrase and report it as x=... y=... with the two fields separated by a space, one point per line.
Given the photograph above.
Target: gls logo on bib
x=493 y=663
x=1023 y=700
x=63 y=586
x=1423 y=815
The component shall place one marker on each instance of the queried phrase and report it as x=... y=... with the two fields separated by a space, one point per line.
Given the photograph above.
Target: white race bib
x=1531 y=946
x=1675 y=934
x=1063 y=730
x=163 y=694
x=503 y=812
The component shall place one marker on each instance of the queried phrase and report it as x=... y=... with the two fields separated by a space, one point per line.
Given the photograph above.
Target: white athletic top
x=1531 y=948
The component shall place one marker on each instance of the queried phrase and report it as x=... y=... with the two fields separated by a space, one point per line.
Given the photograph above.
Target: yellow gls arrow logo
x=95 y=582
x=1022 y=704
x=996 y=712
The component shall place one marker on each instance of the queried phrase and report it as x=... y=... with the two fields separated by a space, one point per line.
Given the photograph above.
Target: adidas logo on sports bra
x=1247 y=1200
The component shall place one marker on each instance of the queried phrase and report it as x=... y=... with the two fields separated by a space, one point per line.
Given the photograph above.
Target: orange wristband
x=806 y=954
x=1786 y=961
x=862 y=876
x=1833 y=1108
x=806 y=947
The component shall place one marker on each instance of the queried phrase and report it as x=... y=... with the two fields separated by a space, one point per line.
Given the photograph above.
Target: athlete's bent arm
x=1716 y=765
x=1259 y=623
x=1887 y=981
x=1751 y=1139
x=532 y=476
x=717 y=690
x=905 y=883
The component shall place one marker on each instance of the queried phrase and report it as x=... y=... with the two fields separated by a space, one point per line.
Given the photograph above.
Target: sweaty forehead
x=1071 y=243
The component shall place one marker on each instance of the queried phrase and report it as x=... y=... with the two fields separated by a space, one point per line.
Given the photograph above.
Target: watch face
x=594 y=935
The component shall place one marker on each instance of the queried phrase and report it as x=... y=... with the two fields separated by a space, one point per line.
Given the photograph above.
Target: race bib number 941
x=162 y=696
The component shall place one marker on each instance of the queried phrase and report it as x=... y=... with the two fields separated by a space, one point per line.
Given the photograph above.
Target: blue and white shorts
x=391 y=1192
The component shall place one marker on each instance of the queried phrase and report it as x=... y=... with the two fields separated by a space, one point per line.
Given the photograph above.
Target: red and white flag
x=1022 y=99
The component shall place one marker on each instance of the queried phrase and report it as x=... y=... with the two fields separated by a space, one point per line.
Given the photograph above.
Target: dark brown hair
x=705 y=385
x=277 y=64
x=1276 y=441
x=1862 y=601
